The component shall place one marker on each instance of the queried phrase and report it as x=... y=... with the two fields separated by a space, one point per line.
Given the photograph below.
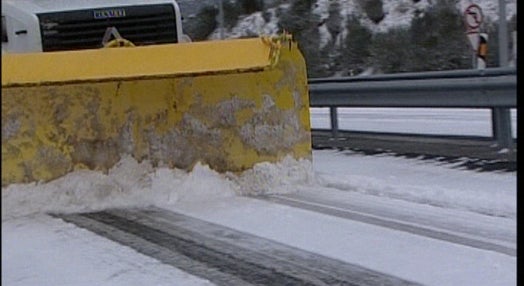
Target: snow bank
x=419 y=181
x=133 y=184
x=276 y=178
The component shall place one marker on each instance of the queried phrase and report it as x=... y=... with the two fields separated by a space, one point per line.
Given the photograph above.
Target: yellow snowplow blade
x=198 y=58
x=229 y=104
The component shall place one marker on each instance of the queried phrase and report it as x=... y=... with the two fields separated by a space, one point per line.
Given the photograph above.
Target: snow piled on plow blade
x=133 y=184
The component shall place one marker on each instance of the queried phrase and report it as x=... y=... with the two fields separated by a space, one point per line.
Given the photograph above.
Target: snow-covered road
x=478 y=208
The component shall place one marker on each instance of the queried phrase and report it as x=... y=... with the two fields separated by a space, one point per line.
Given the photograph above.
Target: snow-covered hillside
x=396 y=13
x=350 y=37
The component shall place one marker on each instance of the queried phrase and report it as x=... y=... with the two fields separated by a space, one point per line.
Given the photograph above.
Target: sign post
x=221 y=18
x=503 y=35
x=473 y=18
x=501 y=116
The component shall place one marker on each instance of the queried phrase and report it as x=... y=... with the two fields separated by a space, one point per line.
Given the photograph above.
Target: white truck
x=59 y=25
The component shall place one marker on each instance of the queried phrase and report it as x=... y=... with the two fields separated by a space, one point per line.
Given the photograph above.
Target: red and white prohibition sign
x=473 y=17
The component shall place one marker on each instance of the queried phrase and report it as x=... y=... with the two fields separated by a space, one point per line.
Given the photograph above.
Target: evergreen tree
x=202 y=25
x=391 y=52
x=331 y=49
x=373 y=9
x=356 y=49
x=439 y=39
x=302 y=23
x=232 y=10
x=251 y=6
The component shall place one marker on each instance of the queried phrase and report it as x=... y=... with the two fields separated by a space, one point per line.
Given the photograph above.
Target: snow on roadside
x=276 y=178
x=419 y=181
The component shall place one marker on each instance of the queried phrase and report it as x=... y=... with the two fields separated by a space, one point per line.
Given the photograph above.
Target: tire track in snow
x=220 y=254
x=390 y=223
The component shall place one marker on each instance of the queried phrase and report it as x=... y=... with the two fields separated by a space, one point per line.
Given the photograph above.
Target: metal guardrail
x=494 y=88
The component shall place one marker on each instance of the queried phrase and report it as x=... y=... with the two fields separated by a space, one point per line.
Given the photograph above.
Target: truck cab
x=58 y=25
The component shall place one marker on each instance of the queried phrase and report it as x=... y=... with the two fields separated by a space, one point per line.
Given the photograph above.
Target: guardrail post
x=501 y=126
x=334 y=121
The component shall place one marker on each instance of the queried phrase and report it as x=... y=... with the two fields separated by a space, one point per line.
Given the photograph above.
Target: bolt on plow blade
x=228 y=104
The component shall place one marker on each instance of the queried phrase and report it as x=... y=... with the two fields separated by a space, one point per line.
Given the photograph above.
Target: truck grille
x=84 y=29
